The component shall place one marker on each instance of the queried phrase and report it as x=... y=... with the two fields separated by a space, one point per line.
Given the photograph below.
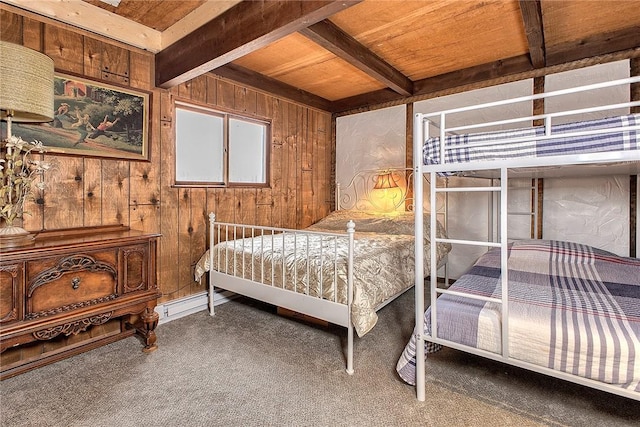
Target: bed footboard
x=309 y=272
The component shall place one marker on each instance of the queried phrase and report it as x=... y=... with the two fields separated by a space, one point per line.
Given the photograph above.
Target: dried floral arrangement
x=18 y=172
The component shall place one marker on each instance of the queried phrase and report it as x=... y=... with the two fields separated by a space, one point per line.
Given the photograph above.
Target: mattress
x=572 y=308
x=527 y=142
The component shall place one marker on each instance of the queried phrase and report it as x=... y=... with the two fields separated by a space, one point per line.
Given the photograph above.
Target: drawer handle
x=75 y=282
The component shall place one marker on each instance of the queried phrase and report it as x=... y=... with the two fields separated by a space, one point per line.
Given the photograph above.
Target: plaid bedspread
x=525 y=143
x=572 y=308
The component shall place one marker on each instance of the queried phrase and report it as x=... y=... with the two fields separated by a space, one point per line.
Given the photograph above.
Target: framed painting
x=93 y=119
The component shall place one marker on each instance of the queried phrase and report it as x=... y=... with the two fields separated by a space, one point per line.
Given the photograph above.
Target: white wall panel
x=371 y=140
x=593 y=211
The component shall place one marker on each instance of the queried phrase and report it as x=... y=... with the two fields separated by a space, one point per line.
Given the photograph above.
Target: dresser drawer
x=10 y=288
x=58 y=285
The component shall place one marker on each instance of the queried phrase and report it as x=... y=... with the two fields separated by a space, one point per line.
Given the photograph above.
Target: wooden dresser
x=74 y=290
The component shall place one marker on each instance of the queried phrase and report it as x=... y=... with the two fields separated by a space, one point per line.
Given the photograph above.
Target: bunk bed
x=342 y=269
x=559 y=308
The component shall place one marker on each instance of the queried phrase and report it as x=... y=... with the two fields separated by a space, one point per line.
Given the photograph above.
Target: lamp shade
x=385 y=180
x=26 y=84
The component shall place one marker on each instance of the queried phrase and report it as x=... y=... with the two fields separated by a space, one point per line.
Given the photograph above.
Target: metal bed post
x=212 y=220
x=491 y=217
x=504 y=260
x=433 y=249
x=433 y=187
x=535 y=202
x=418 y=137
x=351 y=228
x=446 y=228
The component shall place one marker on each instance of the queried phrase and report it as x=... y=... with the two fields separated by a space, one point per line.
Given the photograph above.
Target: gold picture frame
x=93 y=119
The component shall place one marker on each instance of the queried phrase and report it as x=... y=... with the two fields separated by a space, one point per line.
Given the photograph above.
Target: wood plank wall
x=84 y=191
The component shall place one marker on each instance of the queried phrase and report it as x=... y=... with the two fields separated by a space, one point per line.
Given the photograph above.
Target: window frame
x=226 y=115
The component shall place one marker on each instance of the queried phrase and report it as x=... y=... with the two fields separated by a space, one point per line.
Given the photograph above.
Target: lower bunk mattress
x=572 y=308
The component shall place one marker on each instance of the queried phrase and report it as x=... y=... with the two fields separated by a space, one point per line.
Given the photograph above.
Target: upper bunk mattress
x=530 y=142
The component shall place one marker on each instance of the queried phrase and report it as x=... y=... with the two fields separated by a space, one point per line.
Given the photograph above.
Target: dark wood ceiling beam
x=246 y=27
x=267 y=84
x=364 y=101
x=331 y=37
x=532 y=19
x=474 y=75
x=600 y=44
x=466 y=77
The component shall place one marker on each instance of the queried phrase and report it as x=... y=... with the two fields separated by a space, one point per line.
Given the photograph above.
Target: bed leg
x=211 y=310
x=420 y=368
x=350 y=349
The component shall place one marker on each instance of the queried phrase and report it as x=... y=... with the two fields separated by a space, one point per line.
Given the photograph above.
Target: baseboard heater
x=181 y=307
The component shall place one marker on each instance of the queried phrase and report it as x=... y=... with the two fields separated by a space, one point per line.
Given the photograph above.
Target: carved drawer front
x=59 y=285
x=135 y=264
x=10 y=288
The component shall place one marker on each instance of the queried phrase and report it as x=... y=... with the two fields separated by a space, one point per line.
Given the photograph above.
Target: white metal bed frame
x=422 y=126
x=331 y=311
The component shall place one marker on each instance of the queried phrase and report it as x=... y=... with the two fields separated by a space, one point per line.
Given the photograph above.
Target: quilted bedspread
x=572 y=308
x=383 y=262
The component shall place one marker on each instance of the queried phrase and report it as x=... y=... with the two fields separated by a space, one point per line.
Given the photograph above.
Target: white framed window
x=215 y=148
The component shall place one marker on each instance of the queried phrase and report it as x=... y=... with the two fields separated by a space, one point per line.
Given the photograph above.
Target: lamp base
x=12 y=236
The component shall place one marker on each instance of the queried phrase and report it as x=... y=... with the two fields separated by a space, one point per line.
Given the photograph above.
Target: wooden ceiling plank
x=331 y=37
x=532 y=18
x=167 y=13
x=244 y=28
x=267 y=84
x=601 y=44
x=195 y=19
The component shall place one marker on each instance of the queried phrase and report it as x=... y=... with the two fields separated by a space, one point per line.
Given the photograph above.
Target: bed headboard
x=381 y=190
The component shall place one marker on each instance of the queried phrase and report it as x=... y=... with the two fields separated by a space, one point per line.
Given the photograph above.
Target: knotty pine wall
x=84 y=191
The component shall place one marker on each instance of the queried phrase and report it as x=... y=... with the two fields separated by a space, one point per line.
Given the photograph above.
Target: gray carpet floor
x=248 y=366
